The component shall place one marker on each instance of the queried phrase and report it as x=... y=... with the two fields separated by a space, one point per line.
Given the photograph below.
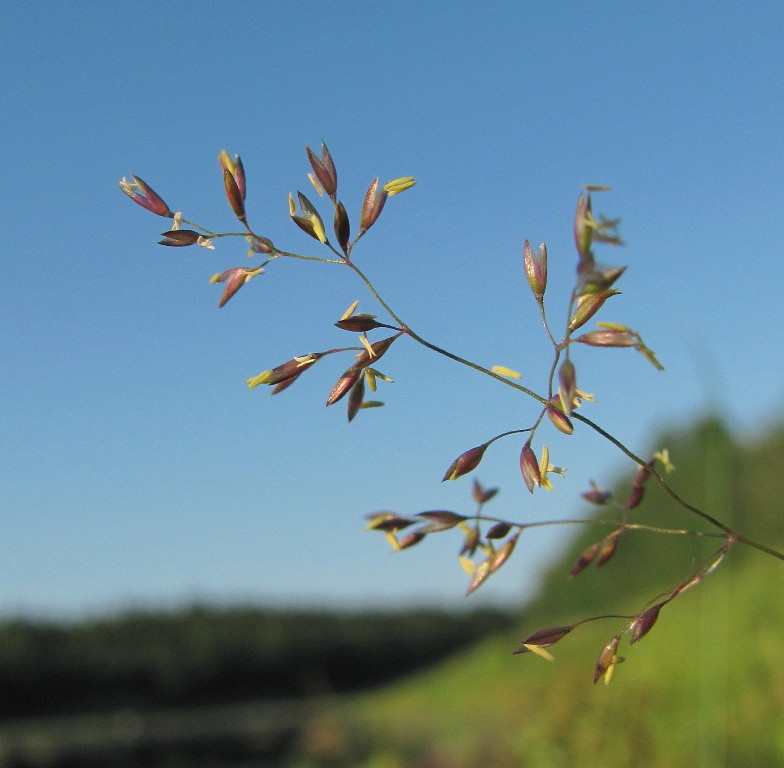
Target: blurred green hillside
x=208 y=688
x=704 y=689
x=202 y=687
x=202 y=656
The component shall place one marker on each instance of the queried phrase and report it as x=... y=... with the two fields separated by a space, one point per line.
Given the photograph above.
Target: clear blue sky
x=137 y=469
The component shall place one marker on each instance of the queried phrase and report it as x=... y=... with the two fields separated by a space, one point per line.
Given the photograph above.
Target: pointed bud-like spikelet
x=529 y=466
x=234 y=278
x=504 y=552
x=372 y=207
x=498 y=531
x=560 y=421
x=588 y=305
x=376 y=350
x=360 y=323
x=586 y=558
x=567 y=386
x=342 y=226
x=544 y=638
x=179 y=237
x=535 y=269
x=607 y=660
x=635 y=497
x=387 y=521
x=645 y=621
x=466 y=462
x=329 y=165
x=482 y=494
x=344 y=384
x=281 y=385
x=638 y=485
x=410 y=539
x=235 y=168
x=596 y=280
x=234 y=195
x=356 y=397
x=324 y=169
x=470 y=542
x=443 y=517
x=260 y=244
x=440 y=520
x=144 y=195
x=286 y=373
x=609 y=338
x=480 y=574
x=239 y=175
x=309 y=221
x=643 y=474
x=293 y=368
x=607 y=547
x=583 y=231
x=597 y=495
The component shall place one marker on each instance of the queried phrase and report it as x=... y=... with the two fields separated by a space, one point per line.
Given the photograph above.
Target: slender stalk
x=735 y=535
x=604 y=521
x=678 y=499
x=617 y=443
x=435 y=348
x=543 y=316
x=311 y=258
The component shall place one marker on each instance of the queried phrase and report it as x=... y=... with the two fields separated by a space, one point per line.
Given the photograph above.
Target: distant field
x=705 y=689
x=427 y=689
x=201 y=687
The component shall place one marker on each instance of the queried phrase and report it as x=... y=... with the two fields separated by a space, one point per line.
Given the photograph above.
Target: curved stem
x=434 y=347
x=553 y=368
x=617 y=443
x=311 y=258
x=735 y=535
x=674 y=496
x=604 y=521
x=199 y=226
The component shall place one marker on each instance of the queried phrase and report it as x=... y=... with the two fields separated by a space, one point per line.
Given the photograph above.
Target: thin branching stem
x=678 y=499
x=301 y=257
x=344 y=261
x=543 y=315
x=604 y=521
x=617 y=443
x=436 y=348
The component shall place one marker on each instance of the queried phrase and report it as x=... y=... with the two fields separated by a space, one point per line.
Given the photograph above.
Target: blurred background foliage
x=704 y=688
x=245 y=686
x=205 y=655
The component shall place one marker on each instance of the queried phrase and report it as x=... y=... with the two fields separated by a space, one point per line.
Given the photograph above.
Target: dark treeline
x=204 y=655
